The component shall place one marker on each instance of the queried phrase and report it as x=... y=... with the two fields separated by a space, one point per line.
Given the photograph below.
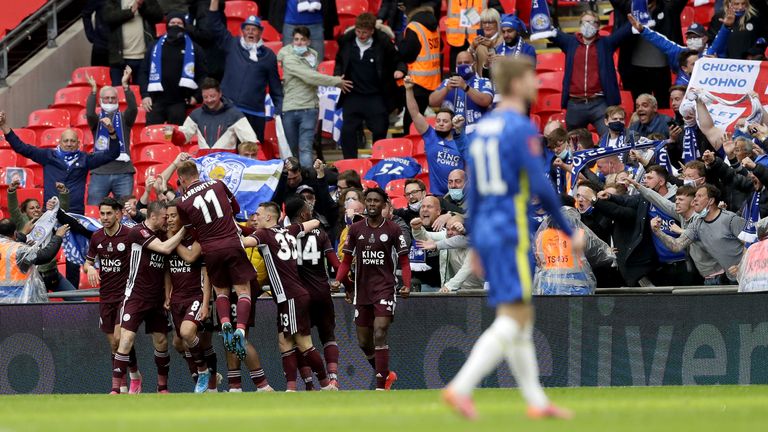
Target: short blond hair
x=507 y=69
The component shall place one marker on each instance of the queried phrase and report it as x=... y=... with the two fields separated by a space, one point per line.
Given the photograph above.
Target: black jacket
x=387 y=61
x=740 y=40
x=410 y=46
x=737 y=188
x=276 y=16
x=388 y=9
x=96 y=30
x=172 y=64
x=114 y=16
x=632 y=235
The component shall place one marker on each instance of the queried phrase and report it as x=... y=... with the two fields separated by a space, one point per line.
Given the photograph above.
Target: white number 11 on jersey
x=200 y=204
x=485 y=154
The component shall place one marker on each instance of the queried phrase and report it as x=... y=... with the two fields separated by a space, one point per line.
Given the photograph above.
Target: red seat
x=418 y=144
x=703 y=14
x=352 y=7
x=547 y=105
x=536 y=119
x=396 y=188
x=275 y=46
x=369 y=184
x=399 y=202
x=51 y=138
x=508 y=5
x=98 y=73
x=360 y=165
x=47 y=118
x=145 y=169
x=71 y=99
x=23 y=194
x=27 y=136
x=686 y=17
x=154 y=134
x=391 y=147
x=331 y=47
x=30 y=181
x=550 y=82
x=8 y=158
x=550 y=62
x=270 y=34
x=559 y=117
x=160 y=29
x=413 y=131
x=627 y=102
x=237 y=12
x=158 y=153
x=92 y=211
x=121 y=96
x=326 y=67
x=422 y=160
x=424 y=177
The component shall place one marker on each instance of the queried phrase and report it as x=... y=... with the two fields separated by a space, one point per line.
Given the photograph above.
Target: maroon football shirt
x=186 y=279
x=210 y=208
x=311 y=259
x=375 y=250
x=113 y=253
x=278 y=247
x=146 y=280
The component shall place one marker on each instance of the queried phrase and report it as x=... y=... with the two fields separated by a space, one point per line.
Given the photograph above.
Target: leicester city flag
x=76 y=245
x=251 y=181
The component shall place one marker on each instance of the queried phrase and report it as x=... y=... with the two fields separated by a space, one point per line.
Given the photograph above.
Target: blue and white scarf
x=513 y=51
x=43 y=230
x=751 y=214
x=102 y=135
x=69 y=157
x=640 y=12
x=690 y=144
x=541 y=21
x=75 y=245
x=583 y=158
x=156 y=69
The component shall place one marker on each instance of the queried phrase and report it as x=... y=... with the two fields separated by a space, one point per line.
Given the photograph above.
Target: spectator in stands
x=676 y=96
x=751 y=272
x=636 y=256
x=295 y=176
x=250 y=69
x=461 y=25
x=173 y=70
x=444 y=149
x=320 y=16
x=370 y=60
x=217 y=124
x=734 y=178
x=301 y=105
x=586 y=195
x=750 y=24
x=248 y=149
x=308 y=195
x=67 y=163
x=466 y=93
x=512 y=30
x=615 y=119
x=346 y=180
x=394 y=13
x=25 y=215
x=428 y=270
x=649 y=120
x=581 y=139
x=717 y=230
x=420 y=50
x=455 y=267
x=415 y=190
x=389 y=213
x=484 y=47
x=131 y=33
x=96 y=31
x=589 y=82
x=353 y=211
x=558 y=156
x=757 y=52
x=455 y=197
x=116 y=176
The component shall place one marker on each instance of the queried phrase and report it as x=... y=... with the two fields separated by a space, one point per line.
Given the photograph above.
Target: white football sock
x=485 y=356
x=521 y=358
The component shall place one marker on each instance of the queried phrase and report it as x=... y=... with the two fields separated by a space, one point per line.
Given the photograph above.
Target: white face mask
x=695 y=44
x=588 y=30
x=109 y=108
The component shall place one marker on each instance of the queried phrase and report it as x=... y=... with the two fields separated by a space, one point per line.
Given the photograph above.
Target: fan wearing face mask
x=172 y=73
x=116 y=176
x=749 y=25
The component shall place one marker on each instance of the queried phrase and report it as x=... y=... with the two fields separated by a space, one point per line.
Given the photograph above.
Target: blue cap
x=696 y=29
x=513 y=22
x=252 y=20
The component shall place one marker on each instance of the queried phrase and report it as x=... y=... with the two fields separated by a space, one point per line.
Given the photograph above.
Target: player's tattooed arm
x=168 y=246
x=189 y=254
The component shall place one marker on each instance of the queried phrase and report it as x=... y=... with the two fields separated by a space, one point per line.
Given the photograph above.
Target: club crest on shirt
x=102 y=143
x=228 y=171
x=383 y=237
x=120 y=247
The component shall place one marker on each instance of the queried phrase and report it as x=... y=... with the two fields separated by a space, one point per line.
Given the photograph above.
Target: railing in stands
x=46 y=15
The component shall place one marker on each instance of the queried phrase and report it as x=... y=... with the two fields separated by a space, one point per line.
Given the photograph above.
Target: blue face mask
x=565 y=154
x=741 y=13
x=456 y=194
x=465 y=71
x=300 y=50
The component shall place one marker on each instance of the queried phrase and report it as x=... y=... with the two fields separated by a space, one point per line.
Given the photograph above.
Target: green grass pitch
x=679 y=409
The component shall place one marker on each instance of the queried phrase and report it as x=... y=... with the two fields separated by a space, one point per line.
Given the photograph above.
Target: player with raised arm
x=312 y=248
x=277 y=245
x=377 y=244
x=187 y=297
x=110 y=247
x=507 y=170
x=145 y=294
x=210 y=207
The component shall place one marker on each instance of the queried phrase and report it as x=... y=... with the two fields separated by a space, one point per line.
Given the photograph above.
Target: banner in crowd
x=729 y=81
x=76 y=245
x=583 y=158
x=252 y=181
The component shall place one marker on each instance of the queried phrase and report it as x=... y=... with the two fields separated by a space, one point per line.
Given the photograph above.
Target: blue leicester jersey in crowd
x=393 y=169
x=665 y=255
x=457 y=101
x=443 y=157
x=505 y=159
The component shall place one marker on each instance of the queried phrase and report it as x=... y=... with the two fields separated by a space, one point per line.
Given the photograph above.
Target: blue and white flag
x=251 y=181
x=640 y=12
x=541 y=22
x=76 y=245
x=269 y=107
x=583 y=158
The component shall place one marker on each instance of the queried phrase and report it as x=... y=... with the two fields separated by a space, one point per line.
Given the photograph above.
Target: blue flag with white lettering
x=393 y=169
x=76 y=245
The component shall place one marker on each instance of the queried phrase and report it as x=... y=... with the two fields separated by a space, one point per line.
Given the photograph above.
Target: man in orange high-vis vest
x=420 y=49
x=17 y=258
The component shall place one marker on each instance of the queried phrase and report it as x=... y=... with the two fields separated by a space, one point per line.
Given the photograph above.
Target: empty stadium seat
x=161 y=29
x=399 y=202
x=547 y=105
x=627 y=102
x=27 y=136
x=560 y=117
x=391 y=147
x=99 y=73
x=51 y=137
x=71 y=99
x=550 y=82
x=26 y=193
x=686 y=17
x=331 y=47
x=413 y=131
x=536 y=119
x=703 y=14
x=8 y=158
x=396 y=188
x=550 y=62
x=418 y=144
x=237 y=12
x=326 y=67
x=352 y=7
x=157 y=153
x=121 y=96
x=154 y=134
x=145 y=169
x=92 y=211
x=275 y=46
x=40 y=120
x=424 y=177
x=368 y=184
x=270 y=34
x=360 y=165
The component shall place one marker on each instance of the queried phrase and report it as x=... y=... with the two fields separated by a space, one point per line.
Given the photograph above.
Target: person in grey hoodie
x=300 y=104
